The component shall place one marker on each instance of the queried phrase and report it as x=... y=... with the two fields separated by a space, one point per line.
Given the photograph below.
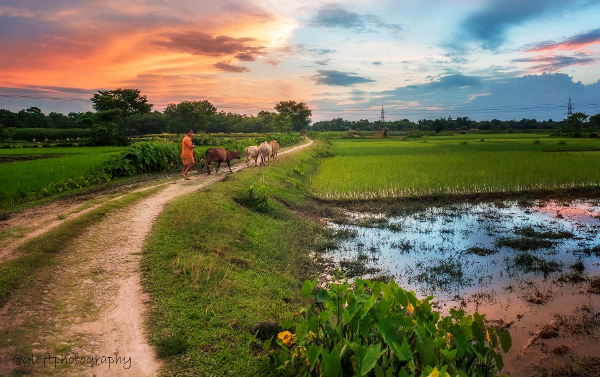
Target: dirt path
x=91 y=307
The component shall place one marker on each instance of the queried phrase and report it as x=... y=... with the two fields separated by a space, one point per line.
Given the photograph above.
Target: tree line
x=126 y=112
x=576 y=124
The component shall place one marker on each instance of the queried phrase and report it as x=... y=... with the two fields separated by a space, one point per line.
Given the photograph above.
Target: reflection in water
x=459 y=249
x=524 y=265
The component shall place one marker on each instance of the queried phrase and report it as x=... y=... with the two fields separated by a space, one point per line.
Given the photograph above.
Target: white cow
x=252 y=152
x=265 y=151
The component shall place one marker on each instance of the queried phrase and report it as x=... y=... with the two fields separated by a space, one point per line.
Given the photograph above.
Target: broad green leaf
x=332 y=366
x=313 y=355
x=370 y=359
x=307 y=287
x=322 y=295
x=267 y=344
x=405 y=351
x=505 y=340
x=448 y=354
x=499 y=361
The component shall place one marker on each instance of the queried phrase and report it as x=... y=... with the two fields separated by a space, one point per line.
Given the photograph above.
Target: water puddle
x=525 y=265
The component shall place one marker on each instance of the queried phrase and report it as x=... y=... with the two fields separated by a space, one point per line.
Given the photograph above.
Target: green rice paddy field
x=459 y=164
x=63 y=163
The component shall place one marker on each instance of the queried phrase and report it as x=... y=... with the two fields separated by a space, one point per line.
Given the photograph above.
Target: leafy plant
x=256 y=198
x=370 y=328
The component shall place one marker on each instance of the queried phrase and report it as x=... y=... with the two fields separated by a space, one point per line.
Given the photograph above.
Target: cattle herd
x=265 y=151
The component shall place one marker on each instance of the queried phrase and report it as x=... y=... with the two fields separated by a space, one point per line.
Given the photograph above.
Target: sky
x=483 y=59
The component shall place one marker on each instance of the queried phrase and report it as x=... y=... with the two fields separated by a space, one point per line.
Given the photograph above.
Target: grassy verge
x=225 y=258
x=44 y=251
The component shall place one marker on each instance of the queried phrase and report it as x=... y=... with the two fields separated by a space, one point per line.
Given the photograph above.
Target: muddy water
x=528 y=264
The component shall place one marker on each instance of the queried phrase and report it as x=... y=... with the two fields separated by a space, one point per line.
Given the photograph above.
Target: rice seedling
x=371 y=169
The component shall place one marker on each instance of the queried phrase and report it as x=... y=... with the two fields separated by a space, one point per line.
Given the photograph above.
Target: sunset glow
x=344 y=59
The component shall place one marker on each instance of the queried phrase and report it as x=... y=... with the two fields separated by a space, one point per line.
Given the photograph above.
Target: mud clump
x=595 y=285
x=265 y=330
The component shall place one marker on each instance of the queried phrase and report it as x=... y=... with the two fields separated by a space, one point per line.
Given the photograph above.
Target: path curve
x=114 y=248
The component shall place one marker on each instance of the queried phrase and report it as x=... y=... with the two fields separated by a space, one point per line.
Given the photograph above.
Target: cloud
x=336 y=16
x=198 y=43
x=15 y=12
x=533 y=96
x=554 y=63
x=322 y=62
x=489 y=25
x=334 y=77
x=455 y=81
x=574 y=42
x=226 y=67
x=376 y=63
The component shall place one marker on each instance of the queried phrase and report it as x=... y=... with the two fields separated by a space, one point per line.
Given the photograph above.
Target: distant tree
x=33 y=117
x=107 y=134
x=293 y=115
x=58 y=120
x=190 y=114
x=127 y=101
x=439 y=125
x=575 y=123
x=9 y=119
x=595 y=121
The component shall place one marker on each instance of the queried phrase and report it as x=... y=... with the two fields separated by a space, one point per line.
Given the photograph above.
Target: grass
x=216 y=267
x=380 y=168
x=58 y=151
x=43 y=252
x=31 y=176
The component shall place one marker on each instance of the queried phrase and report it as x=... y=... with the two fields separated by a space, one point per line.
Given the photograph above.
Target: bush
x=379 y=329
x=256 y=198
x=143 y=157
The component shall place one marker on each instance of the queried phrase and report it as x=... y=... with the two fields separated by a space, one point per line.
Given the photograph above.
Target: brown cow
x=219 y=155
x=274 y=148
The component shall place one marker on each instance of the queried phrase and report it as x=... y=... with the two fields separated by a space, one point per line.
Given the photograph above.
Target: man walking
x=187 y=153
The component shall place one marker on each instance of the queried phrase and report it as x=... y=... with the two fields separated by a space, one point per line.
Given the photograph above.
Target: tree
x=190 y=114
x=439 y=125
x=33 y=117
x=127 y=101
x=293 y=115
x=595 y=121
x=575 y=123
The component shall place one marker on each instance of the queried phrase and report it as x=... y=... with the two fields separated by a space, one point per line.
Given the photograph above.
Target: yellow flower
x=286 y=337
x=436 y=373
x=487 y=336
x=410 y=309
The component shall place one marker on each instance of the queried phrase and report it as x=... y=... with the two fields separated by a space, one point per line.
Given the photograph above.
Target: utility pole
x=382 y=119
x=570 y=108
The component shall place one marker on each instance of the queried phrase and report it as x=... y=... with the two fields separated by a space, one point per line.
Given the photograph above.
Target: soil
x=91 y=304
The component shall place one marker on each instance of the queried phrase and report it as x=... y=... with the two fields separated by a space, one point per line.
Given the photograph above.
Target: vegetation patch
x=526 y=262
x=441 y=274
x=373 y=328
x=530 y=232
x=523 y=243
x=481 y=251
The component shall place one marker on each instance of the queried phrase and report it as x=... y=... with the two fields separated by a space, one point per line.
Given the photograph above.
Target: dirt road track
x=102 y=269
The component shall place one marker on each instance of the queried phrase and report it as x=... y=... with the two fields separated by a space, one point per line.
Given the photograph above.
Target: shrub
x=143 y=157
x=256 y=198
x=379 y=329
